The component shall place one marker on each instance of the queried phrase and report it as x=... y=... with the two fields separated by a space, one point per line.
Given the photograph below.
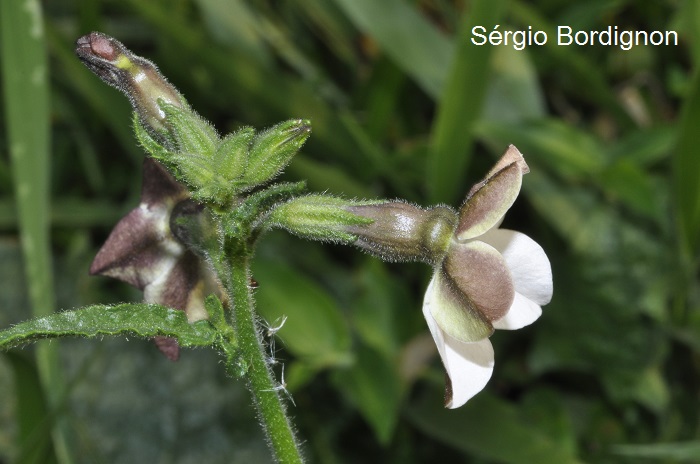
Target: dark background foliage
x=402 y=106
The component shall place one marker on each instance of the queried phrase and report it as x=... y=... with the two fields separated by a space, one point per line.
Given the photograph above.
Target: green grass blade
x=33 y=415
x=411 y=41
x=687 y=168
x=460 y=106
x=26 y=90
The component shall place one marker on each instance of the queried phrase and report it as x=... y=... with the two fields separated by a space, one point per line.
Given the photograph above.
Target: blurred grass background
x=402 y=105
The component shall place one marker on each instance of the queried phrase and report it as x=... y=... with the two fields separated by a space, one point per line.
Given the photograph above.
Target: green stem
x=264 y=389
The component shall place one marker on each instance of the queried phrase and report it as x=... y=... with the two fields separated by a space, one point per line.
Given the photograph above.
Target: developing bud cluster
x=216 y=169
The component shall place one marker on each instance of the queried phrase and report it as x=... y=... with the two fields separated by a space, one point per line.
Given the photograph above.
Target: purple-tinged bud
x=404 y=232
x=136 y=77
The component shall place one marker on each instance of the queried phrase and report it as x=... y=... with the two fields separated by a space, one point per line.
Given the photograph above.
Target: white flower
x=490 y=278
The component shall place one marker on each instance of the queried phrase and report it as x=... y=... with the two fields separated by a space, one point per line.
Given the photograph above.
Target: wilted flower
x=489 y=278
x=143 y=251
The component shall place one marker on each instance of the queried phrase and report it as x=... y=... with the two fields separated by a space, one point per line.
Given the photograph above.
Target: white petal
x=468 y=365
x=532 y=276
x=522 y=312
x=527 y=261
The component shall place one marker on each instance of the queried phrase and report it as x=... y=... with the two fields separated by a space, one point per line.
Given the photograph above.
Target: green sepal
x=207 y=184
x=130 y=319
x=154 y=148
x=197 y=171
x=146 y=140
x=318 y=217
x=273 y=149
x=232 y=153
x=191 y=132
x=251 y=211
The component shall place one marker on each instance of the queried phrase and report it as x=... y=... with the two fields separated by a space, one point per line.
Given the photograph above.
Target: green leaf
x=484 y=426
x=514 y=93
x=690 y=14
x=377 y=307
x=132 y=319
x=645 y=146
x=573 y=212
x=374 y=386
x=634 y=187
x=315 y=329
x=148 y=143
x=199 y=172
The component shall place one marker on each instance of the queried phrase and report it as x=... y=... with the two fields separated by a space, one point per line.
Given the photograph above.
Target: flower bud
x=136 y=77
x=273 y=149
x=232 y=153
x=404 y=232
x=318 y=217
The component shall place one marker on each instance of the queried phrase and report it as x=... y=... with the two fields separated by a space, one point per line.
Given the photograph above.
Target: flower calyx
x=391 y=230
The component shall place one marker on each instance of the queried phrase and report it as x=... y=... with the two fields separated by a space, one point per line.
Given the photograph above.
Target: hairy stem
x=264 y=389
